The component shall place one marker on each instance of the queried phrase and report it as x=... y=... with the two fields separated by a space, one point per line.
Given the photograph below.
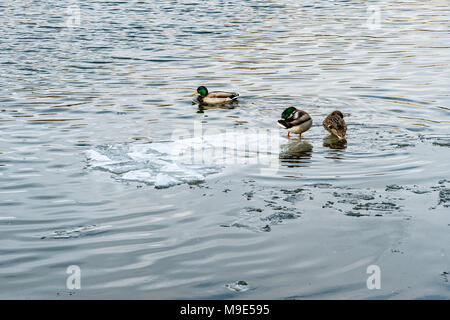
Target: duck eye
x=330 y=126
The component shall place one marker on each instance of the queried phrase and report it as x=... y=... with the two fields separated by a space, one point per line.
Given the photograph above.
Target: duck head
x=287 y=113
x=338 y=113
x=202 y=91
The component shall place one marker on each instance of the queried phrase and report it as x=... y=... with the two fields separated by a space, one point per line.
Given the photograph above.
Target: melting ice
x=165 y=164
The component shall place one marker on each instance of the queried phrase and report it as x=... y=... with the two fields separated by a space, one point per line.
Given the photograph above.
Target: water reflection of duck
x=203 y=107
x=296 y=150
x=335 y=124
x=215 y=97
x=295 y=121
x=334 y=142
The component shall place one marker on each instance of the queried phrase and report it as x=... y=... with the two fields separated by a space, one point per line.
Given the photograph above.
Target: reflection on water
x=122 y=77
x=334 y=142
x=203 y=107
x=296 y=153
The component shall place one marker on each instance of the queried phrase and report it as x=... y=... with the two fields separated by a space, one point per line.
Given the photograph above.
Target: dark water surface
x=81 y=102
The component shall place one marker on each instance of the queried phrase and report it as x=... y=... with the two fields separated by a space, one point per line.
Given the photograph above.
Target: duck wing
x=335 y=125
x=335 y=122
x=223 y=94
x=297 y=118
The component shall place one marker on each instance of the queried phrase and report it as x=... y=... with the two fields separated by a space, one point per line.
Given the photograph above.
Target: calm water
x=120 y=77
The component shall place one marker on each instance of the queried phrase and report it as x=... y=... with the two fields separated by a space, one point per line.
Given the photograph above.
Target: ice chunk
x=191 y=160
x=165 y=181
x=97 y=159
x=143 y=175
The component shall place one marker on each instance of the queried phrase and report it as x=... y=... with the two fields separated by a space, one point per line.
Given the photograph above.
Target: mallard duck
x=335 y=124
x=215 y=97
x=295 y=121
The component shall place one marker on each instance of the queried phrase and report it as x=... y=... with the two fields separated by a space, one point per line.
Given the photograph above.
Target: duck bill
x=194 y=93
x=340 y=137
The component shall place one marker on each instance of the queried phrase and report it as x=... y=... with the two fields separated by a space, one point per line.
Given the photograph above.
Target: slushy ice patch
x=165 y=164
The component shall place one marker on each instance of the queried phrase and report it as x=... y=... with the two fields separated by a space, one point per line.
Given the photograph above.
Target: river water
x=96 y=95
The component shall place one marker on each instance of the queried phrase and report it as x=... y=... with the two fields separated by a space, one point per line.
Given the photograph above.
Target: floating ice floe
x=238 y=286
x=165 y=164
x=75 y=232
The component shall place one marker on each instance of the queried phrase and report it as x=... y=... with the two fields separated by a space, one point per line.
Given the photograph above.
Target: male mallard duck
x=215 y=97
x=295 y=121
x=335 y=124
